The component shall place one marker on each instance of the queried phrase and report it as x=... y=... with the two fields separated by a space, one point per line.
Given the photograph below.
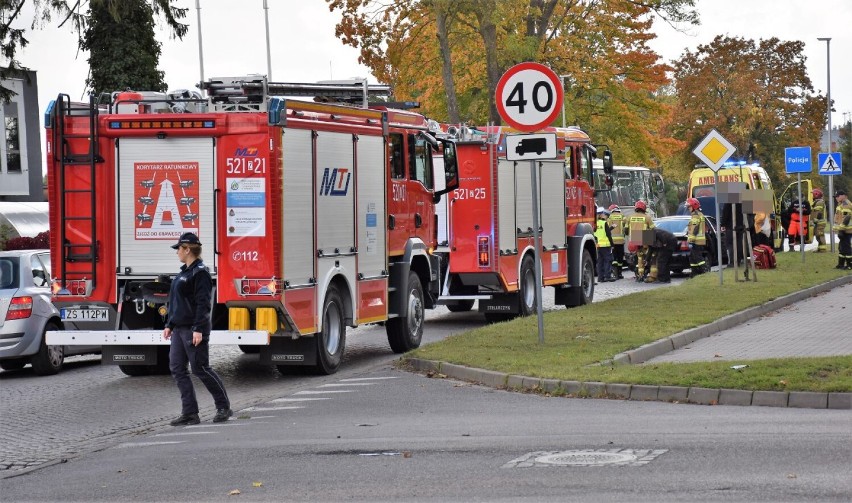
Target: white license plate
x=91 y=314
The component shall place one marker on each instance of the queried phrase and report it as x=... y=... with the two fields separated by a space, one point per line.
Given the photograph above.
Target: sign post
x=529 y=97
x=798 y=160
x=830 y=164
x=714 y=150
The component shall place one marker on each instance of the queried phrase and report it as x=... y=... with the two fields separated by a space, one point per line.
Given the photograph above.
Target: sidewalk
x=816 y=326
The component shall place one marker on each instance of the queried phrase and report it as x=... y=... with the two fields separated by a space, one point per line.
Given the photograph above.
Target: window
x=40 y=274
x=13 y=146
x=421 y=161
x=395 y=156
x=586 y=165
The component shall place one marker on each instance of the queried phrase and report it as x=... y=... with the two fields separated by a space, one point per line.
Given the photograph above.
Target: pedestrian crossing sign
x=829 y=163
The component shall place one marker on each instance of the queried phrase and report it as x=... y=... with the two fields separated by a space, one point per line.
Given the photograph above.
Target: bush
x=28 y=243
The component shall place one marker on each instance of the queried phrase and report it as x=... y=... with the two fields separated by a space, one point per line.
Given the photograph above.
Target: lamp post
x=562 y=77
x=830 y=215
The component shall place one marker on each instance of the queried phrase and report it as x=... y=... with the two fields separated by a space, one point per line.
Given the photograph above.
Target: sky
x=305 y=49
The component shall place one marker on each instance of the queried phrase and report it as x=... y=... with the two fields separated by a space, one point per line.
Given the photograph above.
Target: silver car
x=26 y=313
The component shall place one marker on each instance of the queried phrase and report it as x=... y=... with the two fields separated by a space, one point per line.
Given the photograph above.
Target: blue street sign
x=829 y=164
x=797 y=159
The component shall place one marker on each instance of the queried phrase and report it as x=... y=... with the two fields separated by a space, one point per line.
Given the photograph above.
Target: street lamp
x=563 y=77
x=830 y=215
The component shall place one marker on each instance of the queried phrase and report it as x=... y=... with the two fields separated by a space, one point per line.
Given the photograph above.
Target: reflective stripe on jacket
x=616 y=227
x=696 y=229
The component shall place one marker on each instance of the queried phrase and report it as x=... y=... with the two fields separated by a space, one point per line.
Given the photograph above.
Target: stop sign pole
x=529 y=97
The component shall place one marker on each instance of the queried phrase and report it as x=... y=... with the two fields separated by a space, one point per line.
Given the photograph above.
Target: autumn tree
x=756 y=94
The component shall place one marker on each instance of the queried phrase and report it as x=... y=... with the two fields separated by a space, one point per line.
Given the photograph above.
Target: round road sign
x=529 y=96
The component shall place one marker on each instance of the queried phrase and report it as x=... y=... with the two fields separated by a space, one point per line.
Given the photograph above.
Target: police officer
x=188 y=328
x=638 y=223
x=695 y=236
x=603 y=238
x=819 y=216
x=616 y=228
x=843 y=226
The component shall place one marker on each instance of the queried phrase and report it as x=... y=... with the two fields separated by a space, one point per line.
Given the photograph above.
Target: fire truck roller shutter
x=552 y=204
x=372 y=210
x=507 y=227
x=337 y=182
x=298 y=221
x=179 y=168
x=523 y=197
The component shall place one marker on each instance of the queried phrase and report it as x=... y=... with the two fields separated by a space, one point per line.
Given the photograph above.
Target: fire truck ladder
x=74 y=152
x=252 y=92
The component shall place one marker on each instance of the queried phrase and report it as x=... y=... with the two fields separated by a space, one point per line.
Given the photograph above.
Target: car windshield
x=674 y=225
x=8 y=272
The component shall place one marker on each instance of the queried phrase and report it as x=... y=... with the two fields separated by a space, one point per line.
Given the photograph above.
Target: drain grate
x=586 y=457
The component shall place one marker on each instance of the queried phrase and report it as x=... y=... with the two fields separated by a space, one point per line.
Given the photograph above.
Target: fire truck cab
x=313 y=216
x=489 y=242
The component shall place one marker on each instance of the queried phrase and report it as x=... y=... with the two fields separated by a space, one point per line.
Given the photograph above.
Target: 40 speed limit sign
x=529 y=96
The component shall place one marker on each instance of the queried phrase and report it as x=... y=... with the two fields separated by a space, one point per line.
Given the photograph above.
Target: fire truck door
x=165 y=188
x=420 y=189
x=400 y=218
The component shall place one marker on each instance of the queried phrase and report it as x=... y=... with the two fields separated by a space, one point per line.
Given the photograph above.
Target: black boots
x=841 y=263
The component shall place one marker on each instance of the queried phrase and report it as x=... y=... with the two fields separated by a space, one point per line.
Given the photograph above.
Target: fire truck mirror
x=607 y=165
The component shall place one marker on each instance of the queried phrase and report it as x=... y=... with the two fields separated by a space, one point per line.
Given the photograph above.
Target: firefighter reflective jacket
x=843 y=217
x=818 y=212
x=696 y=230
x=616 y=227
x=639 y=222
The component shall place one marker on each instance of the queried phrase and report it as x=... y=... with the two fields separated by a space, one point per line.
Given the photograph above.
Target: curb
x=681 y=339
x=640 y=392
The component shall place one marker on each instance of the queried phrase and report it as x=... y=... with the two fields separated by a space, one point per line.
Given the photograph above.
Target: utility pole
x=830 y=215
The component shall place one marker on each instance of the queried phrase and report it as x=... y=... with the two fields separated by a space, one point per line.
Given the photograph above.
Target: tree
x=11 y=38
x=612 y=76
x=756 y=94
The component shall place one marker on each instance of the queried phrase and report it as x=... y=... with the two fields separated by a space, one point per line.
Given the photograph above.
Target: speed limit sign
x=529 y=96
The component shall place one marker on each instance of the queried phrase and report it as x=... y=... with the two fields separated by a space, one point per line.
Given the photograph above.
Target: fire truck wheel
x=405 y=332
x=585 y=293
x=136 y=370
x=331 y=341
x=527 y=286
x=461 y=306
x=48 y=360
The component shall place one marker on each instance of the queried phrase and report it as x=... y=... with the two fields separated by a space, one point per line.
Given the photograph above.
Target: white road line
x=126 y=445
x=326 y=392
x=263 y=417
x=280 y=400
x=346 y=384
x=216 y=425
x=367 y=379
x=265 y=409
x=176 y=434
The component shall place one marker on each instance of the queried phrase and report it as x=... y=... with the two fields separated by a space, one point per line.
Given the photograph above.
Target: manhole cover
x=586 y=457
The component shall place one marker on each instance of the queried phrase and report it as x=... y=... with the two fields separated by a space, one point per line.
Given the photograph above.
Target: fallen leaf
x=234 y=492
x=791 y=475
x=406 y=454
x=257 y=484
x=717 y=355
x=782 y=382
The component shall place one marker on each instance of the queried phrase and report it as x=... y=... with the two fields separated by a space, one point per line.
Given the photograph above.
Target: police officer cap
x=187 y=238
x=839 y=192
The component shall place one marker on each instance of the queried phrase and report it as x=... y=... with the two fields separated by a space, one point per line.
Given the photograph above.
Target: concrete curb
x=594 y=389
x=681 y=339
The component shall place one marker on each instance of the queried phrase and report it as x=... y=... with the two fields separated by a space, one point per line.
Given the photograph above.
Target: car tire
x=16 y=364
x=48 y=360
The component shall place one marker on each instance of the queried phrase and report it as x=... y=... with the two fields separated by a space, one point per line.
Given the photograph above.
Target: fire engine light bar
x=259 y=286
x=484 y=251
x=205 y=124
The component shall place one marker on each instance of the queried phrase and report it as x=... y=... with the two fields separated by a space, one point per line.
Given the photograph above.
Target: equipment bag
x=764 y=257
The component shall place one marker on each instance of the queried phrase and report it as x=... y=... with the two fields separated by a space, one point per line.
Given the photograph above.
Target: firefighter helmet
x=614 y=207
x=632 y=247
x=693 y=204
x=640 y=206
x=817 y=194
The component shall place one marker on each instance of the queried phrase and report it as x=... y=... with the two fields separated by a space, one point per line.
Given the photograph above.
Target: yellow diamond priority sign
x=714 y=150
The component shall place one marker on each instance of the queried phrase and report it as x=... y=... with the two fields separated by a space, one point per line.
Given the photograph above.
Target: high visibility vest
x=843 y=217
x=600 y=234
x=695 y=231
x=616 y=226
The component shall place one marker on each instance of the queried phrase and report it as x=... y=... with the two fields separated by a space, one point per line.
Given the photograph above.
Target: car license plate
x=90 y=314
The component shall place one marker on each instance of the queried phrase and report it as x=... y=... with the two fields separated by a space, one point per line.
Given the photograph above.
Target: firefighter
x=638 y=224
x=843 y=226
x=818 y=213
x=603 y=238
x=696 y=237
x=616 y=225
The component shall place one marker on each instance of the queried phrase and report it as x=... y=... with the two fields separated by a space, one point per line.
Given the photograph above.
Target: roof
x=29 y=219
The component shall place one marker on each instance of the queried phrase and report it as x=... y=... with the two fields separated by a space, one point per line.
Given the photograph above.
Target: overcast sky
x=305 y=49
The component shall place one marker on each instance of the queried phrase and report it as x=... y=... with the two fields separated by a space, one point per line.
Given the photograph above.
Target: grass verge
x=577 y=340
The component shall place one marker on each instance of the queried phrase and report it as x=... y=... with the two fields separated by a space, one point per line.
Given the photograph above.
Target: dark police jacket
x=189 y=298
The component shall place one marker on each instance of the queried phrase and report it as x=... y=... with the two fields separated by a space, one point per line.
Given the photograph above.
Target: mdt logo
x=246 y=152
x=335 y=182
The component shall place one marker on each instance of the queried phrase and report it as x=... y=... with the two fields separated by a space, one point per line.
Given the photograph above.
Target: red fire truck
x=313 y=217
x=489 y=237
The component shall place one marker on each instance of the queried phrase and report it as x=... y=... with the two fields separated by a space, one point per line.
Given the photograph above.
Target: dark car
x=678 y=226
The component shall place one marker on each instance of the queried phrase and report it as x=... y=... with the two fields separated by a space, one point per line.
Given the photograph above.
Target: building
x=20 y=142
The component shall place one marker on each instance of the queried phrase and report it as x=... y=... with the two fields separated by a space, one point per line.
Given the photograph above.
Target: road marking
x=145 y=444
x=326 y=392
x=265 y=409
x=184 y=433
x=280 y=400
x=216 y=425
x=367 y=379
x=347 y=384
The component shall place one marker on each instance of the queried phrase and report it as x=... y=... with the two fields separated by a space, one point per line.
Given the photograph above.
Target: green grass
x=579 y=341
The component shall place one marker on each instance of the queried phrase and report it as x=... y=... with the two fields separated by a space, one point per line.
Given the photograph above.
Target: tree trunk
x=488 y=32
x=447 y=68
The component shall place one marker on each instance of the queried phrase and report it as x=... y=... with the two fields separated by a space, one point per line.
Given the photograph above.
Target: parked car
x=678 y=226
x=26 y=313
